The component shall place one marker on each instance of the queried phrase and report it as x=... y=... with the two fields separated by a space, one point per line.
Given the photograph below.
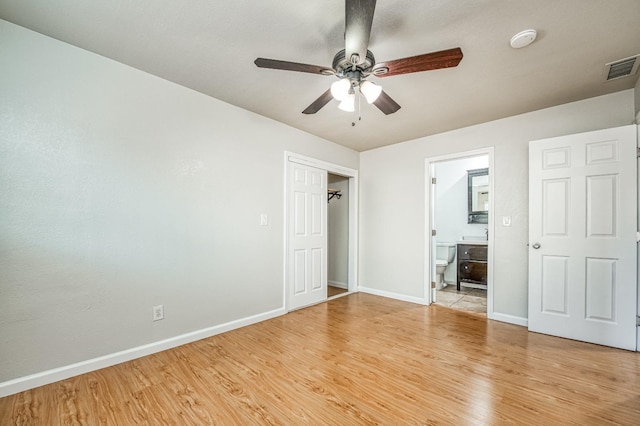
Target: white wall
x=637 y=100
x=392 y=220
x=338 y=233
x=121 y=191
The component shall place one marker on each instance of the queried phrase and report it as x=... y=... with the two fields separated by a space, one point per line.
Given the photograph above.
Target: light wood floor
x=358 y=359
x=332 y=291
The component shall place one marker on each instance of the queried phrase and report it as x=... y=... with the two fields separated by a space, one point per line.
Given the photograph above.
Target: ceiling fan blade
x=428 y=61
x=292 y=66
x=357 y=30
x=386 y=104
x=319 y=103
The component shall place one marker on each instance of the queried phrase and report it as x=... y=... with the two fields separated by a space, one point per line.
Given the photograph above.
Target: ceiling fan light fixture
x=348 y=104
x=340 y=89
x=353 y=64
x=371 y=91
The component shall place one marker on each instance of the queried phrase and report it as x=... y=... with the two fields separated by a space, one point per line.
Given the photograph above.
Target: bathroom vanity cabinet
x=472 y=265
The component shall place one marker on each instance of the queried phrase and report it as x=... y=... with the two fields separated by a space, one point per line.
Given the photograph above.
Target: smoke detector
x=523 y=38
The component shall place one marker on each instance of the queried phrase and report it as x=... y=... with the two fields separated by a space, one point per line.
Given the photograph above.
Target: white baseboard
x=391 y=295
x=21 y=384
x=338 y=284
x=511 y=319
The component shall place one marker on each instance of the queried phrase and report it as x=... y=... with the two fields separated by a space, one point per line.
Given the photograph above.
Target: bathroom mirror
x=478 y=195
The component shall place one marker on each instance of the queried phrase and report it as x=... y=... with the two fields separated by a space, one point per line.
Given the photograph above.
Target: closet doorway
x=460 y=239
x=337 y=235
x=308 y=256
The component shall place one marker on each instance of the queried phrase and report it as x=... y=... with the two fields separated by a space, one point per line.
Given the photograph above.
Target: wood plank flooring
x=332 y=290
x=358 y=359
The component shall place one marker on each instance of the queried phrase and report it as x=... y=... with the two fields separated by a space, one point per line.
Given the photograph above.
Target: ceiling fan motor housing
x=344 y=66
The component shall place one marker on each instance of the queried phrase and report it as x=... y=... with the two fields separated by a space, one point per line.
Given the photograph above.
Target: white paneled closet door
x=307 y=248
x=582 y=237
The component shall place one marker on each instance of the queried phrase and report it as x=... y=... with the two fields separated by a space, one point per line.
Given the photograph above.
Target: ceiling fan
x=355 y=63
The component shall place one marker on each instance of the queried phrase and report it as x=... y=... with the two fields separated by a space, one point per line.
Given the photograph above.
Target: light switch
x=506 y=220
x=264 y=219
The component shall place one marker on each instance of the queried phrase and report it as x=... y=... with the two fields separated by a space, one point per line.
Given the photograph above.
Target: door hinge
x=433 y=232
x=638 y=237
x=638 y=152
x=433 y=284
x=433 y=180
x=637 y=321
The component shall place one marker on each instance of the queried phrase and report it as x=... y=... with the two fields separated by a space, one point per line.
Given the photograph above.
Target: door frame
x=430 y=241
x=352 y=174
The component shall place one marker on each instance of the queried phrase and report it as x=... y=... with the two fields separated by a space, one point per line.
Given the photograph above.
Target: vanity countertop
x=472 y=242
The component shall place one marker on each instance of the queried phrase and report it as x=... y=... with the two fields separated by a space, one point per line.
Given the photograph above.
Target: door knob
x=536 y=246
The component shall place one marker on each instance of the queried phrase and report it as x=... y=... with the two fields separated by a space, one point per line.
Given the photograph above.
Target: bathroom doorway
x=459 y=250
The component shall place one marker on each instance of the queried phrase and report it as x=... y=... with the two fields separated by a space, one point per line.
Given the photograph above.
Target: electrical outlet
x=158 y=312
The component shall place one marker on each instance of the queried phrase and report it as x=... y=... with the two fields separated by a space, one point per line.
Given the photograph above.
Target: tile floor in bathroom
x=467 y=299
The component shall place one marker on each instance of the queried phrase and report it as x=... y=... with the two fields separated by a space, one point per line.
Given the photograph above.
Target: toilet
x=445 y=253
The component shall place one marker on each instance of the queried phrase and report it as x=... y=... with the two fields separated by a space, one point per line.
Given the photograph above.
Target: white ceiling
x=210 y=46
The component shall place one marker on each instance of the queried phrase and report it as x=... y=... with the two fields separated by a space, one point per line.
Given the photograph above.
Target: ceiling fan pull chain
x=359 y=110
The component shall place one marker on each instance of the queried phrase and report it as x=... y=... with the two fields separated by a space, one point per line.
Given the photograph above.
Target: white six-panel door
x=582 y=237
x=307 y=248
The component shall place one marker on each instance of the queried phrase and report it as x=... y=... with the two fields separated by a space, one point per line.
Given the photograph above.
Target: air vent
x=622 y=68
